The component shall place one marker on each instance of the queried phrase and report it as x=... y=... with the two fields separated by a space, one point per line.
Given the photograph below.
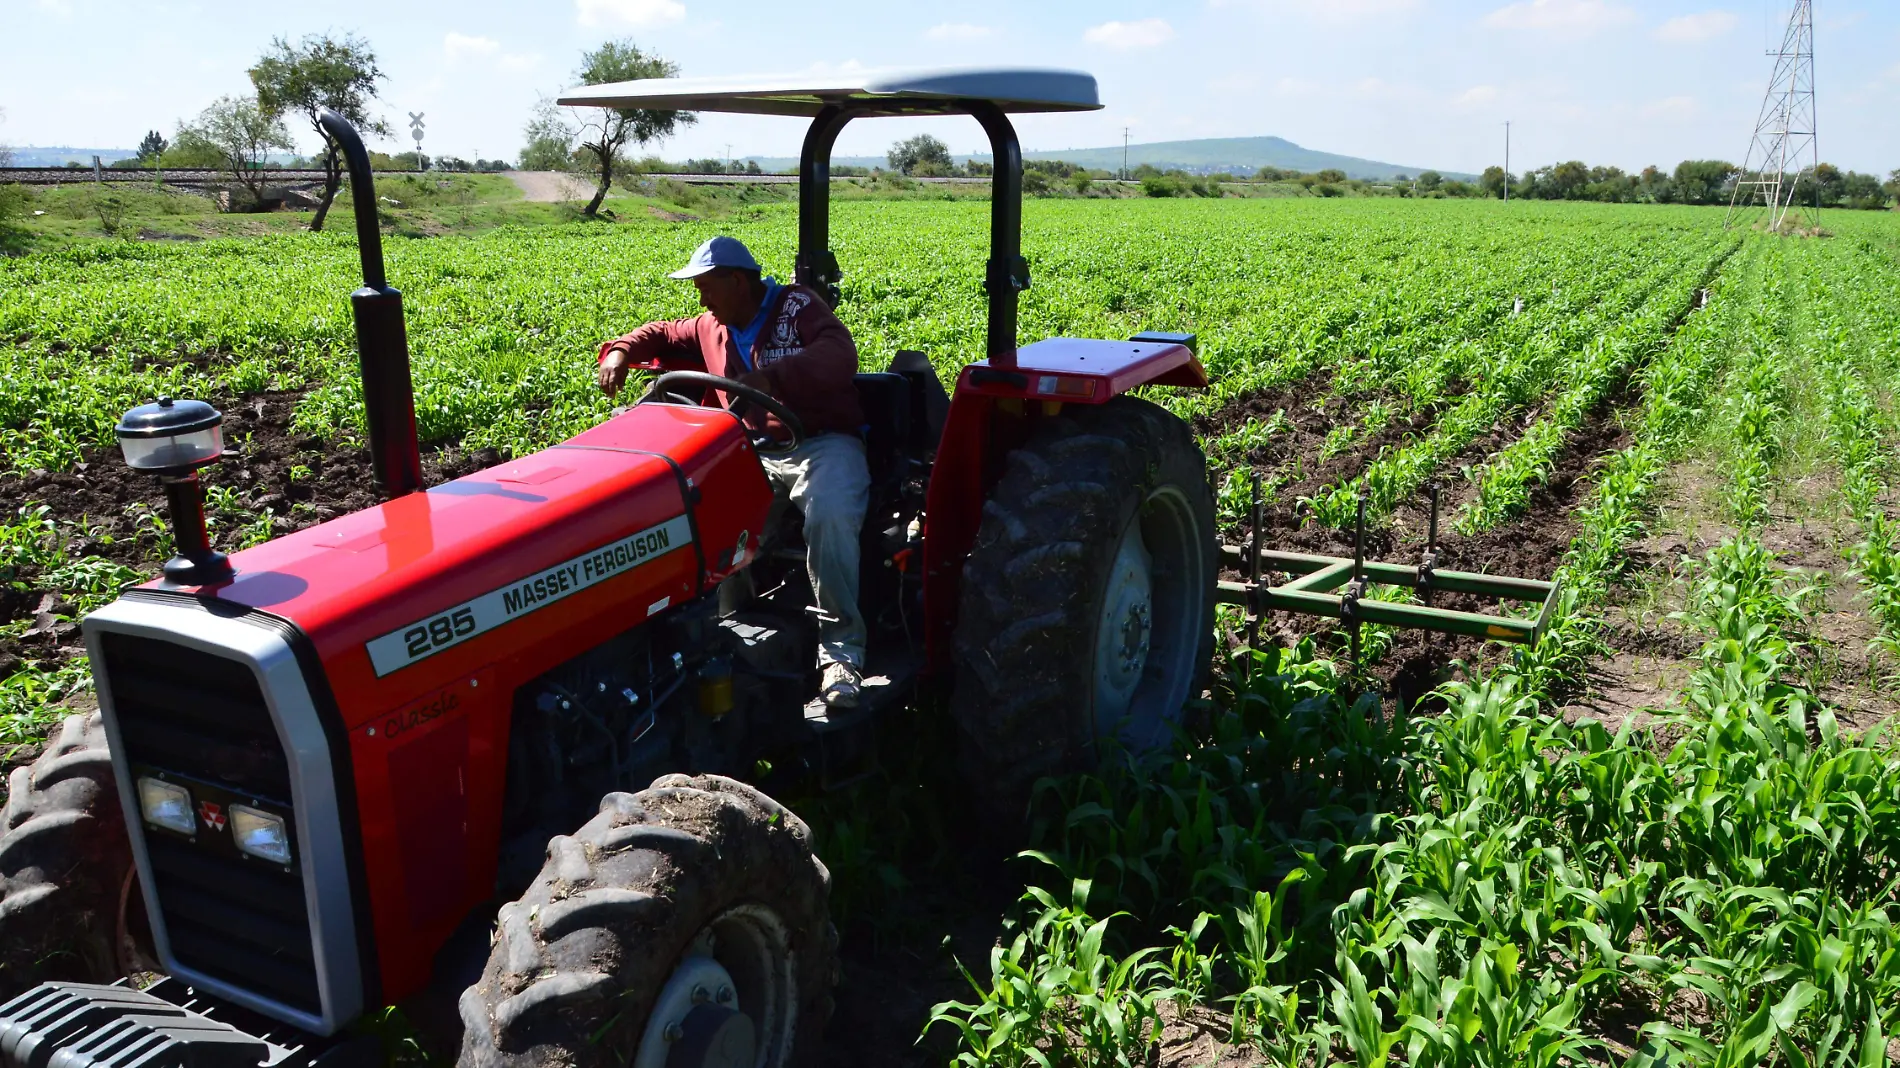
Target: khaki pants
x=827 y=478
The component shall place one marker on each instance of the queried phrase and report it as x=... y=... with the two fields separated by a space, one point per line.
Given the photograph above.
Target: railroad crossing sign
x=415 y=131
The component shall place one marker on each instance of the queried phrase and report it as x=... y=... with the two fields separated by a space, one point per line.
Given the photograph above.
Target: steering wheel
x=661 y=388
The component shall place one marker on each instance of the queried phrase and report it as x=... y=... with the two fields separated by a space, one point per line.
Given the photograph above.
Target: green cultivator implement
x=1337 y=588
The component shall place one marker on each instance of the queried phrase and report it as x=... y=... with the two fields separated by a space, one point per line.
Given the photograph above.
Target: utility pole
x=1507 y=161
x=728 y=157
x=1124 y=153
x=1784 y=131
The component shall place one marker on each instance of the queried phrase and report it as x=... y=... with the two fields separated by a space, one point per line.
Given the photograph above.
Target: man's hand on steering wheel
x=681 y=386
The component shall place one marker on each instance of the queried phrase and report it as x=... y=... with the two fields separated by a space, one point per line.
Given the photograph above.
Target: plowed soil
x=1531 y=546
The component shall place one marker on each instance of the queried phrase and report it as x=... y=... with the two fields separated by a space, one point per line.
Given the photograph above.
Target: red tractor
x=340 y=769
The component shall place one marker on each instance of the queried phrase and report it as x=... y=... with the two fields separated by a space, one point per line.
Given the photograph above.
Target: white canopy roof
x=883 y=92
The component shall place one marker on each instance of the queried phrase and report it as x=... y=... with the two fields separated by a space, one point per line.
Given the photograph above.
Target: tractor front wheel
x=685 y=926
x=1087 y=613
x=65 y=866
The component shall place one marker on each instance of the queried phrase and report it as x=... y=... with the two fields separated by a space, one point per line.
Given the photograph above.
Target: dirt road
x=549 y=187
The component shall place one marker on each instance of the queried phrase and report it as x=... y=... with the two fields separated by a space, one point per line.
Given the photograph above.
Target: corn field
x=1667 y=833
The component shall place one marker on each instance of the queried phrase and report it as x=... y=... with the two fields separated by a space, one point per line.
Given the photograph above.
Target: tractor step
x=877 y=694
x=844 y=740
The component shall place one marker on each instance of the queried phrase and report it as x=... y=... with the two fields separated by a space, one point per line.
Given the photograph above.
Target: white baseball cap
x=717 y=252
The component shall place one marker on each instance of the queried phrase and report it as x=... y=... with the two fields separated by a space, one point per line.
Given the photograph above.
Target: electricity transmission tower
x=1784 y=146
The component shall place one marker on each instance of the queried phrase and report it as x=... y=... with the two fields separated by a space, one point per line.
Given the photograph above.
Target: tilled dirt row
x=1531 y=546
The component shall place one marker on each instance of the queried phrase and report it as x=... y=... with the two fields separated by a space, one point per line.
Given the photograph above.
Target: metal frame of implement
x=1310 y=592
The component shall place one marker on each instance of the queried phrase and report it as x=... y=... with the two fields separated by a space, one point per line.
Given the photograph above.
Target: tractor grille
x=201 y=719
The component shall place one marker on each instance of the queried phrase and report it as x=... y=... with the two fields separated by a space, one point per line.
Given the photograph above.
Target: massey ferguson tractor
x=385 y=760
x=390 y=752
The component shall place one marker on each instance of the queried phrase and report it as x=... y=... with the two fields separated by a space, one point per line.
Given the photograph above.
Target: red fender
x=994 y=410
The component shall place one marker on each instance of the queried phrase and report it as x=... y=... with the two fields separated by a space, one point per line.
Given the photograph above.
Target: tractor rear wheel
x=65 y=865
x=1087 y=612
x=685 y=926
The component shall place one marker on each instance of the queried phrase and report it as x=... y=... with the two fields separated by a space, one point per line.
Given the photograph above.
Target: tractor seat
x=886 y=402
x=904 y=409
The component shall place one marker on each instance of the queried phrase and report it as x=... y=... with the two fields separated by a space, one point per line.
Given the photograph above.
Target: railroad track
x=183 y=176
x=201 y=177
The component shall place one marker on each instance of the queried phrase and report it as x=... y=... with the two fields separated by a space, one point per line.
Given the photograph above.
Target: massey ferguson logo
x=212 y=814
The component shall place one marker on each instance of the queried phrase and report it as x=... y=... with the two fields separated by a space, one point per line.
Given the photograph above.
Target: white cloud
x=1698 y=27
x=1671 y=109
x=524 y=62
x=1380 y=89
x=462 y=46
x=639 y=14
x=1324 y=10
x=1476 y=96
x=1142 y=33
x=1576 y=16
x=958 y=31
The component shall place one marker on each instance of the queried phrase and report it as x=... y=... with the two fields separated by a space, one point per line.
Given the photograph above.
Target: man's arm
x=668 y=345
x=812 y=378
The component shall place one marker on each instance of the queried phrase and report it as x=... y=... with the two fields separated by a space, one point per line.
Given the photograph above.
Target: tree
x=240 y=135
x=1566 y=180
x=1493 y=182
x=317 y=74
x=605 y=132
x=905 y=157
x=1429 y=181
x=548 y=139
x=1331 y=176
x=151 y=148
x=1704 y=181
x=1862 y=191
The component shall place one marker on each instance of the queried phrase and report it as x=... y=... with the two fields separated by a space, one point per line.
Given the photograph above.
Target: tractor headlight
x=167 y=805
x=260 y=834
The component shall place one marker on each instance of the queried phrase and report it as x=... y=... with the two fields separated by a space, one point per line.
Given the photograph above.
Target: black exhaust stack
x=382 y=340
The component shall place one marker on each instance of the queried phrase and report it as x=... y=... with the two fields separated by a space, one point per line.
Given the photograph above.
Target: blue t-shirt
x=748 y=337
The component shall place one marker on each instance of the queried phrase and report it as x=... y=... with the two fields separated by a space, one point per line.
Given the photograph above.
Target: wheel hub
x=699 y=983
x=729 y=1002
x=1125 y=631
x=714 y=1036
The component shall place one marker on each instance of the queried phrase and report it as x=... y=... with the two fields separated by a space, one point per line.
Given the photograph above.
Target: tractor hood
x=644 y=511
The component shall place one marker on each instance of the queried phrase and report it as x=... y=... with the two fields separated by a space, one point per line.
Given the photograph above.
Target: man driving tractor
x=785 y=341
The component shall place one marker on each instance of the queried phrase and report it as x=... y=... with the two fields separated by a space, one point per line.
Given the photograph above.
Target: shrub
x=13 y=201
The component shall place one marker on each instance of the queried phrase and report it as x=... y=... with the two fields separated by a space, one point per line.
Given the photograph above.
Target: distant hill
x=1238 y=155
x=60 y=155
x=1208 y=155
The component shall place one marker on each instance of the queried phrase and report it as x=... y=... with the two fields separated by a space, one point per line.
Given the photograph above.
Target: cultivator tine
x=1356 y=589
x=1255 y=513
x=1429 y=562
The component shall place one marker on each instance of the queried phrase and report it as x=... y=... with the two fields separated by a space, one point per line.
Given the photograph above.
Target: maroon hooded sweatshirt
x=805 y=353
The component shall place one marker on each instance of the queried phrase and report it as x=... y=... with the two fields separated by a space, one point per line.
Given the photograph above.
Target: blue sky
x=1415 y=82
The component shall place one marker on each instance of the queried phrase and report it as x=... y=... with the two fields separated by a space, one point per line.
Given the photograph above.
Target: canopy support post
x=815 y=266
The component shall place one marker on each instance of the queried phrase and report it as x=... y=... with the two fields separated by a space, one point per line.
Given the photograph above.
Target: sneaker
x=841 y=685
